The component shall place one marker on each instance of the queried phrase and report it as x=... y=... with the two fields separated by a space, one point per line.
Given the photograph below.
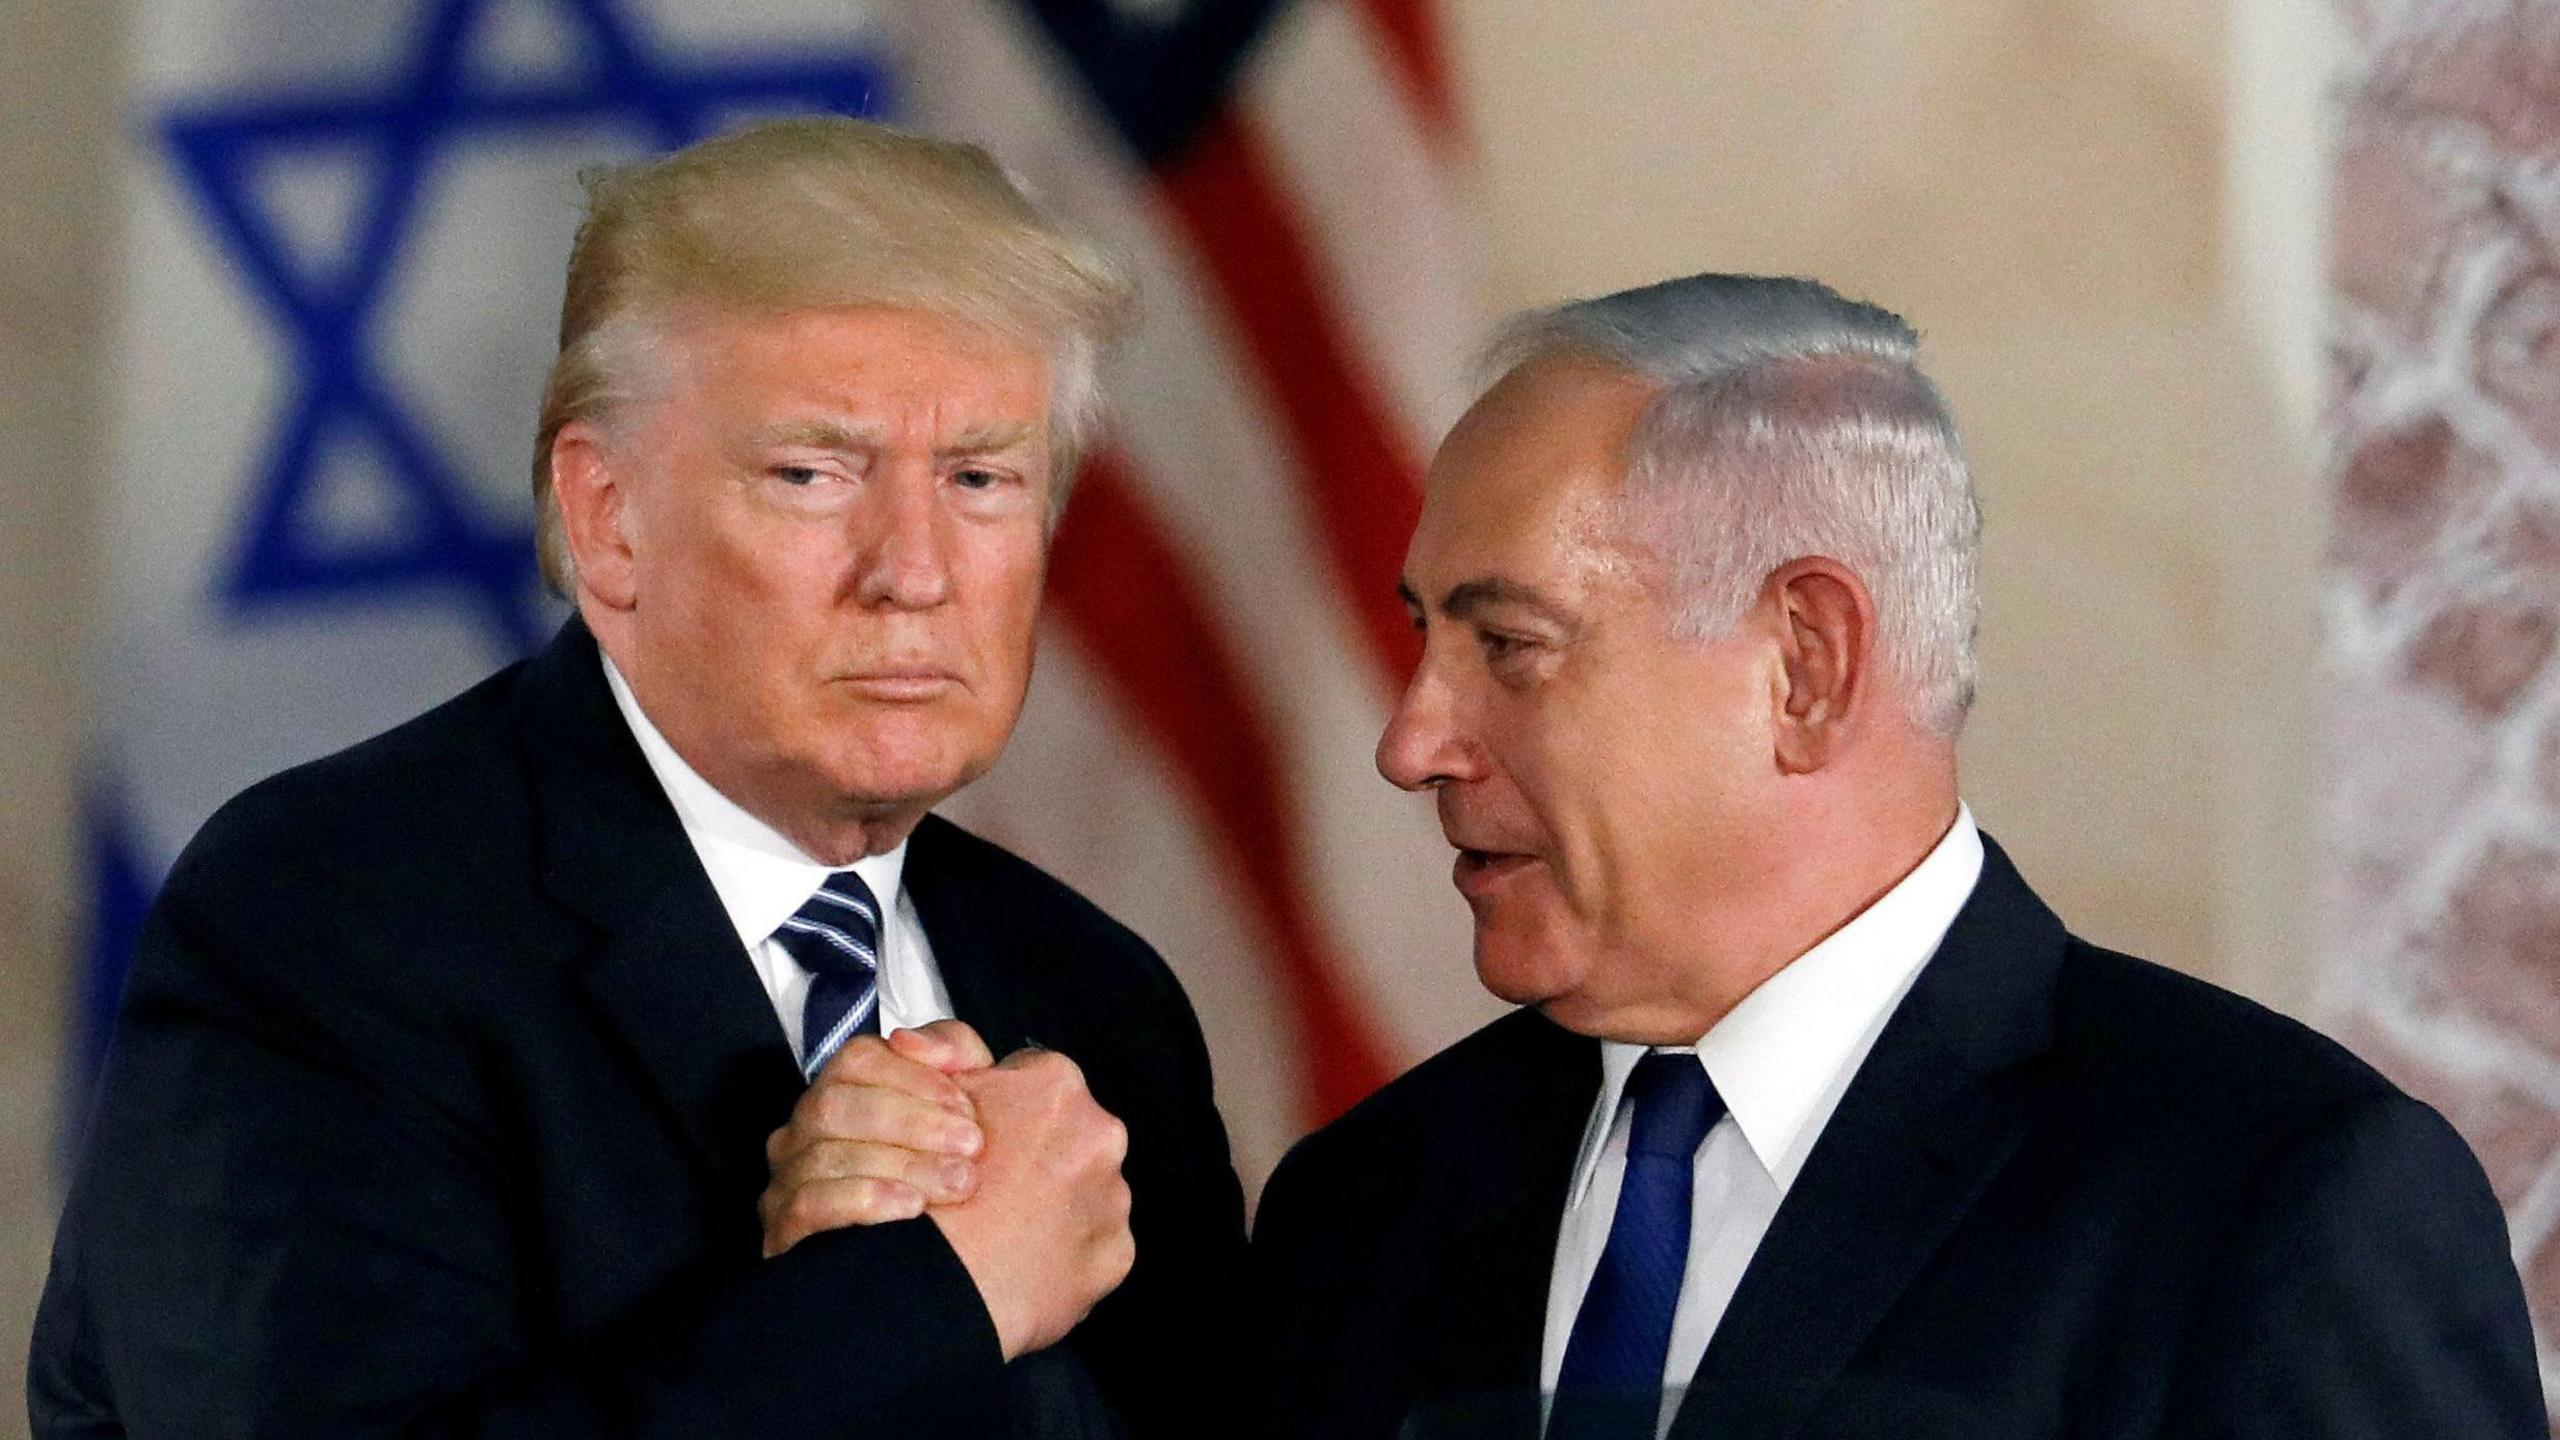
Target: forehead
x=857 y=359
x=1521 y=489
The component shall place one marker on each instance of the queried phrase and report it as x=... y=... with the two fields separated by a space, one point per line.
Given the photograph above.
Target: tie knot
x=837 y=930
x=1675 y=1106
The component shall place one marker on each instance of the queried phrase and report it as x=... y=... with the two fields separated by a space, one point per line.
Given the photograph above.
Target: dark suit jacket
x=2068 y=1194
x=438 y=1107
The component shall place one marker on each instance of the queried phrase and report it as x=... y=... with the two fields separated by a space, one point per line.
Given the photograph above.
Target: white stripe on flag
x=1203 y=439
x=1103 y=813
x=1389 y=221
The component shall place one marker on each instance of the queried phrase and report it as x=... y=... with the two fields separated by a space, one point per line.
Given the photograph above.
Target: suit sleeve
x=278 y=1234
x=1177 y=1327
x=2369 y=1295
x=1291 y=1317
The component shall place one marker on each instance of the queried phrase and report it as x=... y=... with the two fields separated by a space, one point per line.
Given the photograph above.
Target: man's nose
x=1421 y=747
x=902 y=544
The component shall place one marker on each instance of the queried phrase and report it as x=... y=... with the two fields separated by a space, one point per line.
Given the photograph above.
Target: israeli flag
x=345 y=232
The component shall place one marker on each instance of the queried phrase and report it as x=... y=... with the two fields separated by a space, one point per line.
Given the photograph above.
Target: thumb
x=947 y=1045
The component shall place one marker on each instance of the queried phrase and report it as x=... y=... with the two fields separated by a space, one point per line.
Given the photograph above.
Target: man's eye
x=1498 y=646
x=799 y=475
x=974 y=479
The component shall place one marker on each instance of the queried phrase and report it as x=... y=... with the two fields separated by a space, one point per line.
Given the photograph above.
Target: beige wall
x=2041 y=186
x=58 y=82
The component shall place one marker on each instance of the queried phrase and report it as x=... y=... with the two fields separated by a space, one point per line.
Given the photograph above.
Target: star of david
x=452 y=548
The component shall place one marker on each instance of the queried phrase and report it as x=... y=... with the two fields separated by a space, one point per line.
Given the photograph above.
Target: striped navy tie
x=836 y=938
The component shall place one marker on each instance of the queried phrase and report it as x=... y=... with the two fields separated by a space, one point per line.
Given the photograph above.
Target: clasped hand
x=1016 y=1162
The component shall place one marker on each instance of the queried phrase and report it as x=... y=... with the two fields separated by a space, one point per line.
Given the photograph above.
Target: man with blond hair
x=514 y=1073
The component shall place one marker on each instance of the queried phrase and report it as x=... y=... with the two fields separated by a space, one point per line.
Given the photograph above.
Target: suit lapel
x=666 y=975
x=1941 y=1102
x=1495 y=1242
x=981 y=955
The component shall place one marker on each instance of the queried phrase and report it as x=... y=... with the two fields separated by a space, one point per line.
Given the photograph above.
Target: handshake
x=1015 y=1162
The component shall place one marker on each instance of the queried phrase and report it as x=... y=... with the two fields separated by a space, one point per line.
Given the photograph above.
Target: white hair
x=1791 y=422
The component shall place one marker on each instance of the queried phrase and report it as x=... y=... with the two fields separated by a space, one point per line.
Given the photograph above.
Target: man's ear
x=594 y=496
x=1826 y=644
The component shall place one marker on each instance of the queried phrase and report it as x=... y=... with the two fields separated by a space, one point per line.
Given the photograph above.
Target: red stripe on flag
x=1127 y=596
x=1365 y=492
x=1411 y=30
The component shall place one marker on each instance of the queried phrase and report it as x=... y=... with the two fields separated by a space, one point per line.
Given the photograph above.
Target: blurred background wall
x=60 y=82
x=2440 y=909
x=2107 y=218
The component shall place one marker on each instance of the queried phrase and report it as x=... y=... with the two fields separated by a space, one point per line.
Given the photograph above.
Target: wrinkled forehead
x=1529 y=477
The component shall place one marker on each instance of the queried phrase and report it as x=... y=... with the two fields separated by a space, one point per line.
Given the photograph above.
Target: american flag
x=346 y=229
x=1225 y=635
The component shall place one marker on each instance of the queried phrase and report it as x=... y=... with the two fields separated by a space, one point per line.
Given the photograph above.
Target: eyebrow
x=1468 y=598
x=837 y=435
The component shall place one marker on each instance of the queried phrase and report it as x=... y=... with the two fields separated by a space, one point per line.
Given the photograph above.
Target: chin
x=1525 y=970
x=874 y=787
x=902 y=757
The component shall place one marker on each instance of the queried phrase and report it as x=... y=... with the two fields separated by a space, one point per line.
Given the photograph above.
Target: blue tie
x=1611 y=1383
x=836 y=938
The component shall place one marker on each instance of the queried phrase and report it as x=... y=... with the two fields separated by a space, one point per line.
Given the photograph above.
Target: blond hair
x=820 y=213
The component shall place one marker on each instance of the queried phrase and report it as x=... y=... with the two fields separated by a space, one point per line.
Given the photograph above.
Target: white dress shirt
x=761 y=878
x=1781 y=1059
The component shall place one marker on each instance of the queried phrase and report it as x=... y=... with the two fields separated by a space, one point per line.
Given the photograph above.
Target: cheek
x=1570 y=760
x=1004 y=590
x=711 y=551
x=1631 y=780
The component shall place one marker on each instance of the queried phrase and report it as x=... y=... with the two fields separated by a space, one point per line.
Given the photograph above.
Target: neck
x=838 y=844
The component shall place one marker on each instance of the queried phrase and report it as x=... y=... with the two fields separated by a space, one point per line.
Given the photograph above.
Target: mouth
x=901 y=684
x=1478 y=873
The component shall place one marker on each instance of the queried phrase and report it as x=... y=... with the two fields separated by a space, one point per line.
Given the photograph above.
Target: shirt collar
x=1782 y=1057
x=759 y=874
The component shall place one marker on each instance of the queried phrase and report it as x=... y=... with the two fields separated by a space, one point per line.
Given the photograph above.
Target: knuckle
x=791 y=1174
x=924 y=1172
x=874 y=1201
x=915 y=1124
x=830 y=1106
x=793 y=1164
x=881 y=1162
x=805 y=1210
x=852 y=1159
x=856 y=1112
x=861 y=1055
x=1119 y=1256
x=860 y=1113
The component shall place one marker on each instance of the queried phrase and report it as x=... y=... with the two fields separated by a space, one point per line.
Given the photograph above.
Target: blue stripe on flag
x=120 y=886
x=1159 y=76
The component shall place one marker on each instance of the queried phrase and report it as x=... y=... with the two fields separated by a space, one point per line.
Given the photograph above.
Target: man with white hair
x=504 y=1076
x=1814 y=1121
